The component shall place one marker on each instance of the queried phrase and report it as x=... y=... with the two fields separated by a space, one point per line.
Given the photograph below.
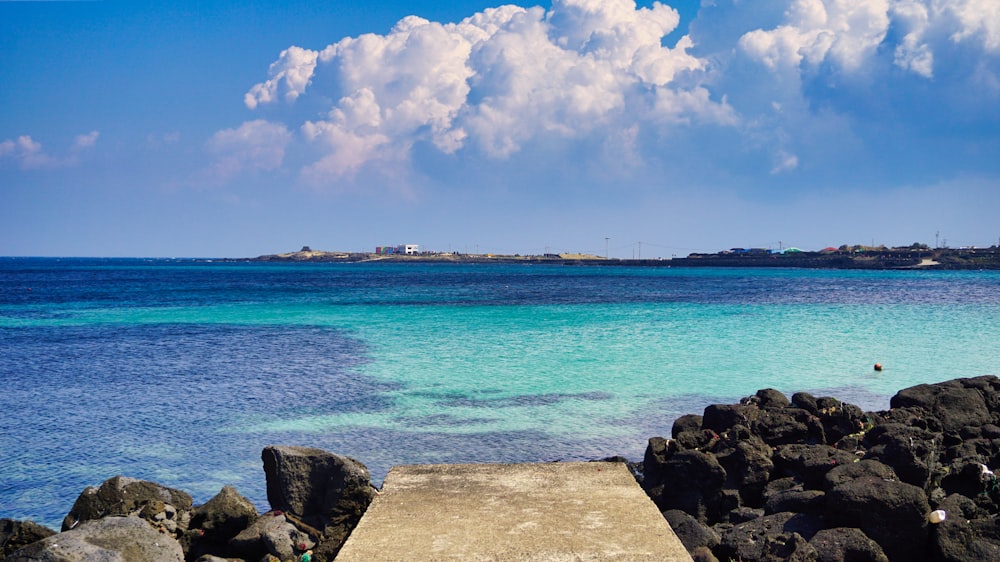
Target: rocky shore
x=770 y=478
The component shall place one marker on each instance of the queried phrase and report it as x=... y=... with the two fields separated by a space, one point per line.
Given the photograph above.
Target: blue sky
x=234 y=129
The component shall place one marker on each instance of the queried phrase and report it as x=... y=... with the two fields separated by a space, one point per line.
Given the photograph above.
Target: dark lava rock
x=165 y=508
x=327 y=491
x=844 y=544
x=788 y=425
x=968 y=478
x=721 y=417
x=894 y=514
x=805 y=401
x=954 y=404
x=798 y=501
x=810 y=463
x=690 y=531
x=15 y=534
x=747 y=461
x=912 y=452
x=782 y=536
x=700 y=439
x=958 y=539
x=771 y=398
x=111 y=539
x=688 y=422
x=216 y=522
x=687 y=480
x=865 y=467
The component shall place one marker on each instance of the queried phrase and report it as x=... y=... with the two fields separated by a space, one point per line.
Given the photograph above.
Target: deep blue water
x=180 y=371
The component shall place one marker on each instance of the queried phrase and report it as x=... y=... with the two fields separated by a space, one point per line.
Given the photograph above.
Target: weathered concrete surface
x=500 y=512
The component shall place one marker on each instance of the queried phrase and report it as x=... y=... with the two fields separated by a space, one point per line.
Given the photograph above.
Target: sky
x=236 y=129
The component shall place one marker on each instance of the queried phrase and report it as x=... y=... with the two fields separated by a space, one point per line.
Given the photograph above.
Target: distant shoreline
x=876 y=259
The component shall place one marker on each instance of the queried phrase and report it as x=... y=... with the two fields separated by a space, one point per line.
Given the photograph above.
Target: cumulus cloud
x=254 y=145
x=845 y=32
x=28 y=154
x=850 y=33
x=494 y=82
x=290 y=74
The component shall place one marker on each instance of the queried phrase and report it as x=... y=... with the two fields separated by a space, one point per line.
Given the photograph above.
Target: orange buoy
x=878 y=366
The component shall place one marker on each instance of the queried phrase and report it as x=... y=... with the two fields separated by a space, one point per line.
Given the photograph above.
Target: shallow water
x=182 y=371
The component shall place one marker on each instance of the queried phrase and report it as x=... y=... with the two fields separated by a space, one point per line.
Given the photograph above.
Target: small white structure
x=410 y=249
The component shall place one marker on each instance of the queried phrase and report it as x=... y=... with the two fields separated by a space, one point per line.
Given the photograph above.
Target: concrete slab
x=513 y=512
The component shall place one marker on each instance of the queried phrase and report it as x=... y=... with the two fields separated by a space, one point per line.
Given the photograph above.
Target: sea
x=181 y=371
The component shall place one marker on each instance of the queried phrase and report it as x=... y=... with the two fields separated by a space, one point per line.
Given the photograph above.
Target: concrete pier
x=513 y=512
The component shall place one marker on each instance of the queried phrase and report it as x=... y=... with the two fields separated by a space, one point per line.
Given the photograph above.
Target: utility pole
x=606 y=247
x=937 y=238
x=640 y=250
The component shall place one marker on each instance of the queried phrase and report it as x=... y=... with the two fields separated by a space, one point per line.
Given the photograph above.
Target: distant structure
x=406 y=249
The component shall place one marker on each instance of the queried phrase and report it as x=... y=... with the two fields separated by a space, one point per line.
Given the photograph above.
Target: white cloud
x=290 y=73
x=849 y=33
x=254 y=145
x=29 y=154
x=845 y=32
x=495 y=81
x=85 y=141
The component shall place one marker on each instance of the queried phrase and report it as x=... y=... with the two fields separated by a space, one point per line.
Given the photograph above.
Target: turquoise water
x=181 y=371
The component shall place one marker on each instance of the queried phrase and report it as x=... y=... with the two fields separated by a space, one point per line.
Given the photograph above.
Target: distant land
x=915 y=257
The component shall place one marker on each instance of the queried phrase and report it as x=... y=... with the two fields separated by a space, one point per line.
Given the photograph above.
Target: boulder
x=701 y=474
x=969 y=479
x=687 y=422
x=747 y=461
x=840 y=419
x=782 y=536
x=111 y=539
x=951 y=402
x=865 y=467
x=690 y=531
x=893 y=514
x=797 y=500
x=958 y=539
x=805 y=401
x=721 y=417
x=810 y=463
x=845 y=544
x=912 y=452
x=165 y=508
x=788 y=425
x=326 y=491
x=216 y=522
x=771 y=398
x=701 y=439
x=272 y=534
x=15 y=534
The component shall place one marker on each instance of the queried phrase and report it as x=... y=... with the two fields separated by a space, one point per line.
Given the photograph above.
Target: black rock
x=862 y=468
x=687 y=422
x=687 y=480
x=326 y=491
x=810 y=463
x=845 y=544
x=894 y=514
x=771 y=398
x=782 y=536
x=16 y=534
x=690 y=531
x=954 y=404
